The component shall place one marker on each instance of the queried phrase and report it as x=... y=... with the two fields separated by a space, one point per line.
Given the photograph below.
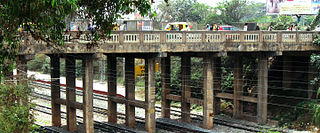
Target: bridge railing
x=136 y=37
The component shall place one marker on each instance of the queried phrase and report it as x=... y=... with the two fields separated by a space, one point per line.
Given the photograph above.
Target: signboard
x=140 y=70
x=292 y=7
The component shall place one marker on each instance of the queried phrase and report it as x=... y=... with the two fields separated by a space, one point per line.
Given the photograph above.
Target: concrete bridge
x=209 y=45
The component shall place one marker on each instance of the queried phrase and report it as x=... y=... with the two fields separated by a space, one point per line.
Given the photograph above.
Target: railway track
x=194 y=117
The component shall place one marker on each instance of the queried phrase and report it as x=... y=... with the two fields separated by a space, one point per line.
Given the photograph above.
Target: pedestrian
x=90 y=28
x=290 y=28
x=309 y=28
x=245 y=27
x=270 y=28
x=208 y=27
x=257 y=28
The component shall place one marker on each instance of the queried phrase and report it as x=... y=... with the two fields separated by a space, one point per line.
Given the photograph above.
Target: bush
x=15 y=106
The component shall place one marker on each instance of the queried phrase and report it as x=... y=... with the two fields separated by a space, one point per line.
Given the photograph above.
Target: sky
x=213 y=3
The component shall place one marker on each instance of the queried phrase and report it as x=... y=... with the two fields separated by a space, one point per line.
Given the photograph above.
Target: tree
x=45 y=19
x=231 y=11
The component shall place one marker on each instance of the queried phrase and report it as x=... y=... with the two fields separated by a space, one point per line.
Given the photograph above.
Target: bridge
x=150 y=45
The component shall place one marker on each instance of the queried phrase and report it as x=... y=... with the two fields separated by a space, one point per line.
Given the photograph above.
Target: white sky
x=213 y=3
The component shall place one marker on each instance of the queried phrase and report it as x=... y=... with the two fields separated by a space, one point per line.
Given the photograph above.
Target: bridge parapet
x=175 y=41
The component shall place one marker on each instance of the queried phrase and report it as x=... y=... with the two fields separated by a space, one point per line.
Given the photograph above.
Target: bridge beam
x=237 y=85
x=186 y=90
x=71 y=94
x=87 y=66
x=150 y=92
x=55 y=90
x=262 y=89
x=130 y=90
x=165 y=79
x=112 y=87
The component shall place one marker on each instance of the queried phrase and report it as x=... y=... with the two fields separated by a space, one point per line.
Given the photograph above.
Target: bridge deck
x=175 y=41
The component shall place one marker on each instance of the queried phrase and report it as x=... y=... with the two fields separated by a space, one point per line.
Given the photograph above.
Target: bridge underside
x=211 y=47
x=212 y=90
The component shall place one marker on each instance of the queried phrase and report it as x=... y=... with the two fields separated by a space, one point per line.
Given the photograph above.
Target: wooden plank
x=224 y=95
x=130 y=90
x=150 y=95
x=165 y=80
x=71 y=93
x=136 y=103
x=112 y=88
x=186 y=90
x=195 y=101
x=208 y=89
x=241 y=98
x=87 y=65
x=237 y=87
x=262 y=89
x=55 y=90
x=173 y=97
x=76 y=105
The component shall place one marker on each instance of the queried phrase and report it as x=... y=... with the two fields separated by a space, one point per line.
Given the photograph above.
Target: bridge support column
x=55 y=90
x=22 y=69
x=186 y=90
x=208 y=89
x=112 y=88
x=262 y=89
x=87 y=66
x=130 y=91
x=71 y=94
x=150 y=92
x=237 y=85
x=165 y=79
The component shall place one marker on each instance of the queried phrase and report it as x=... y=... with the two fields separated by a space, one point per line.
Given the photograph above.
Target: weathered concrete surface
x=164 y=41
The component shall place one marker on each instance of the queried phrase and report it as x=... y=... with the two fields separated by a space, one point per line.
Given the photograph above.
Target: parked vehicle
x=227 y=28
x=177 y=26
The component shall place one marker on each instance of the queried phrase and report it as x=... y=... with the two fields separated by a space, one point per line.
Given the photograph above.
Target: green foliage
x=300 y=117
x=316 y=40
x=283 y=23
x=158 y=85
x=231 y=11
x=40 y=63
x=47 y=19
x=15 y=105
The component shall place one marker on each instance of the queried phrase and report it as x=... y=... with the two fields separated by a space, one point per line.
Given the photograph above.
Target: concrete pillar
x=186 y=90
x=55 y=90
x=237 y=85
x=287 y=72
x=165 y=79
x=87 y=66
x=262 y=89
x=112 y=88
x=71 y=93
x=130 y=90
x=208 y=89
x=22 y=69
x=217 y=71
x=150 y=95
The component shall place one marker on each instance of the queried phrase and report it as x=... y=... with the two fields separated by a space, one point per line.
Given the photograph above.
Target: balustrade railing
x=119 y=37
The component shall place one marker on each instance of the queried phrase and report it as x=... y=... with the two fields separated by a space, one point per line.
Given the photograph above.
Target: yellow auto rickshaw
x=177 y=26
